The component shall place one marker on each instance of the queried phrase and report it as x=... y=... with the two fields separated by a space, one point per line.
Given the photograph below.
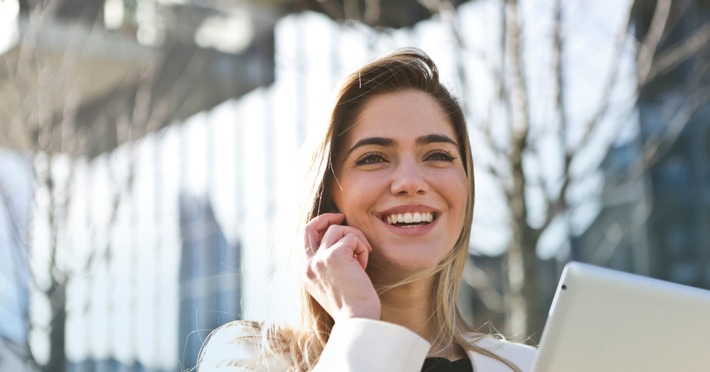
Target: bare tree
x=519 y=159
x=535 y=200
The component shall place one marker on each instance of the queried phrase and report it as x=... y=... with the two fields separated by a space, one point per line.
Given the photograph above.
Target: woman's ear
x=332 y=207
x=328 y=207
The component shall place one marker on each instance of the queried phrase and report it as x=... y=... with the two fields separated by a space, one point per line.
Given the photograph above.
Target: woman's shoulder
x=235 y=346
x=519 y=354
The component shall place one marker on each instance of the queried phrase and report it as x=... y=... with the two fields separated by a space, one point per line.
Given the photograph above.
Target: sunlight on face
x=401 y=181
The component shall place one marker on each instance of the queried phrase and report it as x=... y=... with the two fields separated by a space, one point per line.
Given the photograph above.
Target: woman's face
x=401 y=181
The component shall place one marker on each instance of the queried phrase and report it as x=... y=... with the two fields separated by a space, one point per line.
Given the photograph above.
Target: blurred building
x=173 y=57
x=111 y=72
x=210 y=277
x=655 y=221
x=15 y=280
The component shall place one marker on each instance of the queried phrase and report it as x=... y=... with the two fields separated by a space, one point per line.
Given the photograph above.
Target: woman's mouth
x=410 y=219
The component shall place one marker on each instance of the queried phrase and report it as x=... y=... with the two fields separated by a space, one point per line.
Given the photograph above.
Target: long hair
x=405 y=69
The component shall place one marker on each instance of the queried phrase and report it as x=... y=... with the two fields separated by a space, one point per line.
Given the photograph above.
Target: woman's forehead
x=402 y=115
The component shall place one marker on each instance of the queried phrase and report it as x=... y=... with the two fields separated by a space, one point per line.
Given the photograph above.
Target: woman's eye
x=370 y=158
x=441 y=155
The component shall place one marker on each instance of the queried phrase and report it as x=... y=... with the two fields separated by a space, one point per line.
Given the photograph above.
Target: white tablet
x=606 y=320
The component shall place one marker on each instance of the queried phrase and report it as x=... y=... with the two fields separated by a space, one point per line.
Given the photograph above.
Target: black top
x=436 y=364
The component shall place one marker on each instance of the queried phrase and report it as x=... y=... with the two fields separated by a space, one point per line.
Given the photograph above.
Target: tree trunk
x=56 y=293
x=524 y=318
x=57 y=357
x=523 y=314
x=531 y=285
x=521 y=260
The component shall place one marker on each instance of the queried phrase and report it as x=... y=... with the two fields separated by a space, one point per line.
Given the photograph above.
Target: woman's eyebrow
x=435 y=138
x=389 y=142
x=377 y=141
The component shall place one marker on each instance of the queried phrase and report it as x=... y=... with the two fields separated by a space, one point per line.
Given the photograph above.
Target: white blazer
x=359 y=345
x=369 y=345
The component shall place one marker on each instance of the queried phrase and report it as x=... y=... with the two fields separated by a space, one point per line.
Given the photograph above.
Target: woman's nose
x=408 y=179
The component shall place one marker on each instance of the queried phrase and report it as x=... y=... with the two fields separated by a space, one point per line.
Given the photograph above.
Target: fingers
x=316 y=228
x=324 y=232
x=350 y=239
x=350 y=245
x=334 y=271
x=337 y=233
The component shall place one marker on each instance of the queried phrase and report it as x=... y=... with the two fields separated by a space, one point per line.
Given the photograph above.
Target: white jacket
x=357 y=345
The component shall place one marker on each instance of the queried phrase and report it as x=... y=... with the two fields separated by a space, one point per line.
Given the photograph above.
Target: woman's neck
x=412 y=305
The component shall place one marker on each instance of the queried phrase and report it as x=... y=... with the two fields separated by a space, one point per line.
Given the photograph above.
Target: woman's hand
x=336 y=258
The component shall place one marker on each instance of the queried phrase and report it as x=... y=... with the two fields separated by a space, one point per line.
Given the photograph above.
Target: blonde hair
x=404 y=69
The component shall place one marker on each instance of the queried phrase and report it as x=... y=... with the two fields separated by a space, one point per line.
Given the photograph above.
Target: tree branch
x=559 y=203
x=554 y=206
x=659 y=143
x=518 y=87
x=612 y=77
x=670 y=59
x=647 y=48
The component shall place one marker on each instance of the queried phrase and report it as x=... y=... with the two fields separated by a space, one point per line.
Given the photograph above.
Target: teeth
x=409 y=217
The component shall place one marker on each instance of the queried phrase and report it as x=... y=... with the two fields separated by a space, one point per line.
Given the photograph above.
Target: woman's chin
x=398 y=266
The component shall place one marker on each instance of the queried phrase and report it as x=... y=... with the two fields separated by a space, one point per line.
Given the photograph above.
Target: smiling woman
x=409 y=166
x=385 y=240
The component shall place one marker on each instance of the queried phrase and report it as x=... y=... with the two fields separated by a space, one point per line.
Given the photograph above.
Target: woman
x=386 y=240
